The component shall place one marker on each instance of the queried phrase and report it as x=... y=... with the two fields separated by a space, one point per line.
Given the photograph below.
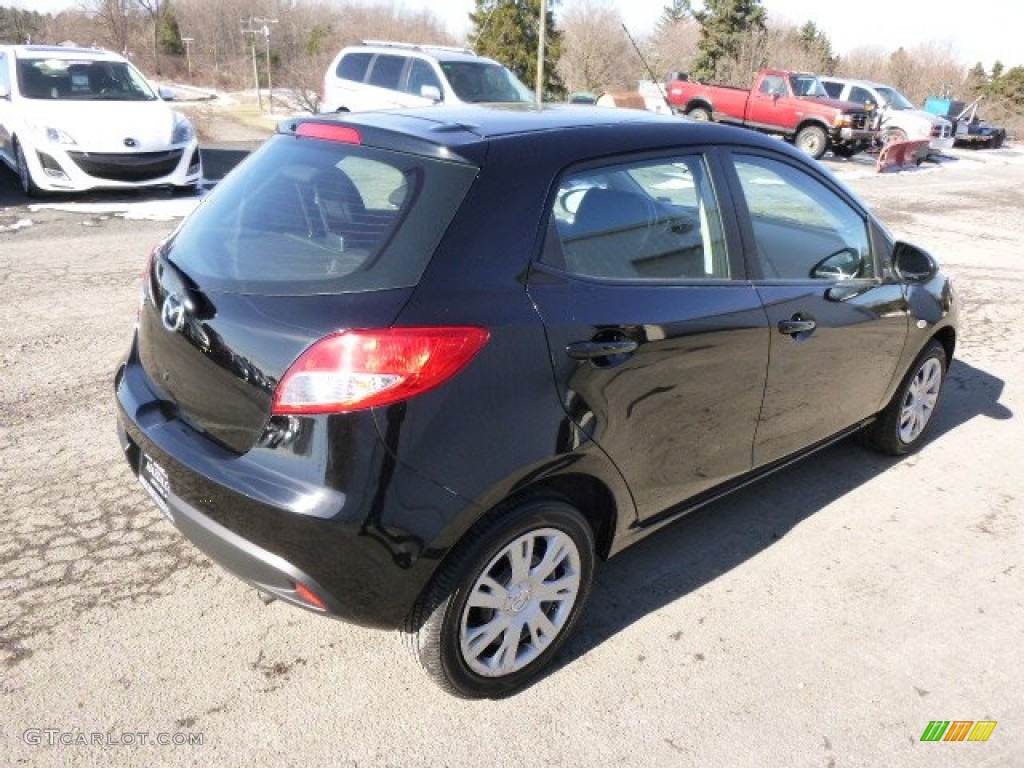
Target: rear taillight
x=331 y=132
x=352 y=370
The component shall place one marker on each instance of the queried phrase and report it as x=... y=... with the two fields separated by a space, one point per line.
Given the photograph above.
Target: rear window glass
x=303 y=216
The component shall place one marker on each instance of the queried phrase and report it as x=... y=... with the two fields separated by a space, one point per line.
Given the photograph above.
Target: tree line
x=219 y=44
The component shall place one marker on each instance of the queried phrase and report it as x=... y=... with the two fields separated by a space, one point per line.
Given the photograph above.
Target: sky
x=990 y=31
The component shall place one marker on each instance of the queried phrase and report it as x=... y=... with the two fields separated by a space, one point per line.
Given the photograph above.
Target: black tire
x=901 y=427
x=521 y=631
x=699 y=113
x=28 y=186
x=813 y=140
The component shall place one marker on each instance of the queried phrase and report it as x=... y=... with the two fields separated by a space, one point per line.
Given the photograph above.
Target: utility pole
x=249 y=29
x=266 y=40
x=188 y=54
x=541 y=42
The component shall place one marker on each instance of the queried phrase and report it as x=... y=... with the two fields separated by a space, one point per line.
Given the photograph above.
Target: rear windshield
x=303 y=216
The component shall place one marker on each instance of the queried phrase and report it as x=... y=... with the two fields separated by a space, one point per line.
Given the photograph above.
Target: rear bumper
x=275 y=527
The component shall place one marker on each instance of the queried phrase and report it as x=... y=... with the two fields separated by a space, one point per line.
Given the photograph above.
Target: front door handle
x=590 y=350
x=796 y=326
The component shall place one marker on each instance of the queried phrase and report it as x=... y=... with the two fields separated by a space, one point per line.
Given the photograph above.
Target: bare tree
x=117 y=23
x=674 y=46
x=597 y=55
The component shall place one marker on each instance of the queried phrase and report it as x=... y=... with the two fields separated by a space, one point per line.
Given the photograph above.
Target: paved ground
x=821 y=618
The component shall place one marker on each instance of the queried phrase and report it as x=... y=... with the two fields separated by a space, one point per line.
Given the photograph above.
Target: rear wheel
x=28 y=186
x=511 y=595
x=900 y=428
x=699 y=113
x=812 y=140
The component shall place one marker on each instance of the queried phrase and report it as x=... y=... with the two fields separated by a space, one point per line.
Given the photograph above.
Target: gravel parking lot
x=821 y=618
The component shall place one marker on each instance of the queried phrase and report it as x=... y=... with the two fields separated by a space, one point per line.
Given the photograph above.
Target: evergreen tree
x=817 y=45
x=168 y=34
x=19 y=27
x=508 y=32
x=674 y=12
x=726 y=26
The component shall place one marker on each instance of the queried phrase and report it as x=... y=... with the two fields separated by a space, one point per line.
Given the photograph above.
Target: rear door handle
x=796 y=325
x=590 y=350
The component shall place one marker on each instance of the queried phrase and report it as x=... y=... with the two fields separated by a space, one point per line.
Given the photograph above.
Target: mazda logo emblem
x=129 y=142
x=173 y=313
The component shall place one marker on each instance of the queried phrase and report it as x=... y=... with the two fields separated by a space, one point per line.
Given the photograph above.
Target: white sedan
x=74 y=119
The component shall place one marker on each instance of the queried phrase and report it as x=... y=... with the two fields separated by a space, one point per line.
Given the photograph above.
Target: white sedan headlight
x=183 y=130
x=57 y=136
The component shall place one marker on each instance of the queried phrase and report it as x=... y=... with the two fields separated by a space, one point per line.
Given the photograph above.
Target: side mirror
x=431 y=92
x=913 y=264
x=166 y=94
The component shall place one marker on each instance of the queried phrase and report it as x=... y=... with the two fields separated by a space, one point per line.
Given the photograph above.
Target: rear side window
x=303 y=216
x=834 y=90
x=353 y=66
x=655 y=220
x=386 y=71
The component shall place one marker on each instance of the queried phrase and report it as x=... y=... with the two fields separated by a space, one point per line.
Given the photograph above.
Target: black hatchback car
x=422 y=369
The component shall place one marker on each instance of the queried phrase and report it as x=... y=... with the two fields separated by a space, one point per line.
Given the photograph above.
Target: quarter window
x=655 y=220
x=353 y=66
x=802 y=229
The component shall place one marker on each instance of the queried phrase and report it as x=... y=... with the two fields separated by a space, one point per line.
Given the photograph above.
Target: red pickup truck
x=792 y=104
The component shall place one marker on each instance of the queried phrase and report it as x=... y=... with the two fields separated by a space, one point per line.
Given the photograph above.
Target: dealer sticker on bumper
x=154 y=479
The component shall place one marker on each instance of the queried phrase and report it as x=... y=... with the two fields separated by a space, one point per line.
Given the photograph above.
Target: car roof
x=461 y=127
x=62 y=52
x=853 y=81
x=427 y=50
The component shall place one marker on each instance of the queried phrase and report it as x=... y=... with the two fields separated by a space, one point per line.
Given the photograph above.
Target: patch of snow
x=19 y=224
x=151 y=210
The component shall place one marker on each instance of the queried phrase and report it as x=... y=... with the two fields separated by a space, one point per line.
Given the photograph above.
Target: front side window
x=803 y=230
x=650 y=220
x=421 y=75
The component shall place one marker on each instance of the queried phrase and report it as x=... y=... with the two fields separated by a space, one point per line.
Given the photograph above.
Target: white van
x=900 y=120
x=385 y=75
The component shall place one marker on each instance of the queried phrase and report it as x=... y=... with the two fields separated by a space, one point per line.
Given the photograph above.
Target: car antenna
x=655 y=80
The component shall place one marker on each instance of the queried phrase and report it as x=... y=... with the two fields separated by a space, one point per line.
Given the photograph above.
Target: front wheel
x=28 y=186
x=900 y=428
x=812 y=140
x=506 y=602
x=893 y=135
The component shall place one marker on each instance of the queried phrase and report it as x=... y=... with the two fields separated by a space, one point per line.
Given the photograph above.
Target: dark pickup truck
x=794 y=105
